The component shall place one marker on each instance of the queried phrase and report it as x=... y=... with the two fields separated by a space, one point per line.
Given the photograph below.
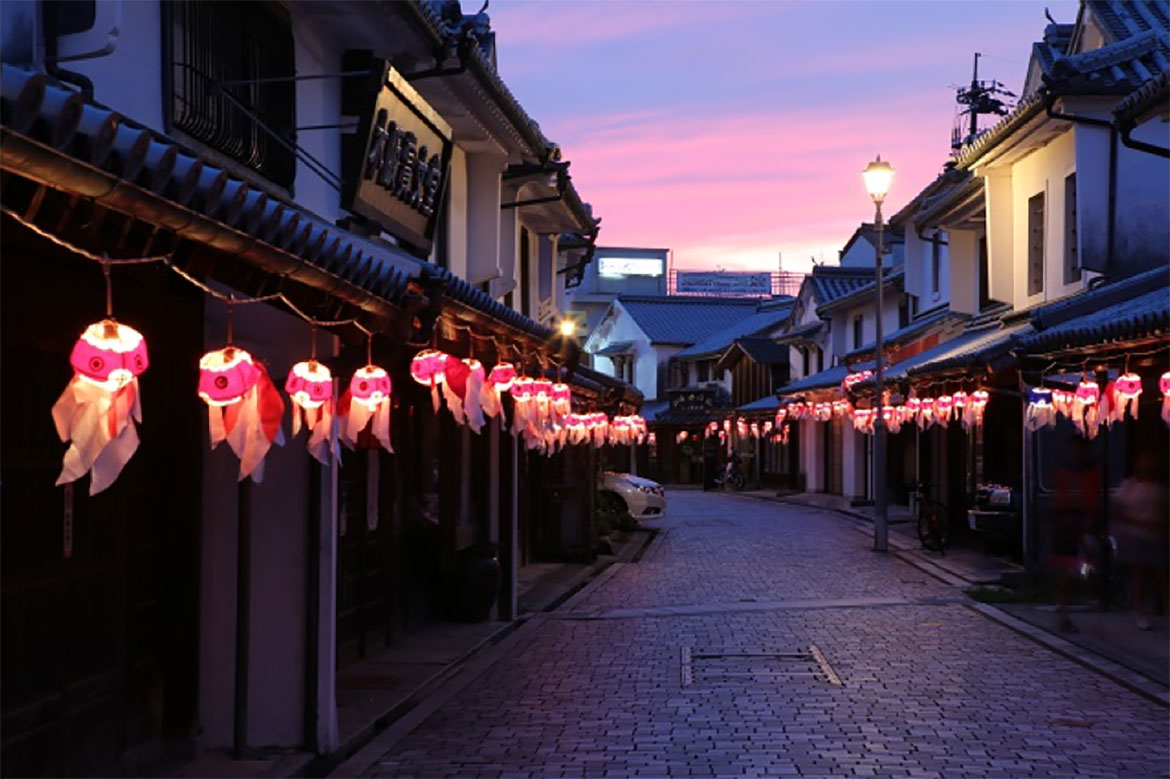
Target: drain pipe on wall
x=1049 y=102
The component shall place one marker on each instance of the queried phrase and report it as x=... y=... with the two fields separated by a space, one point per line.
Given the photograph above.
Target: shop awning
x=826 y=379
x=765 y=404
x=975 y=347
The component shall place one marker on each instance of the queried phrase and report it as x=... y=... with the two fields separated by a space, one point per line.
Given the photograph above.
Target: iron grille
x=221 y=55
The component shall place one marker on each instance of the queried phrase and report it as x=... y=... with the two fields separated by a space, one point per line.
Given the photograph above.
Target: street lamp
x=878 y=176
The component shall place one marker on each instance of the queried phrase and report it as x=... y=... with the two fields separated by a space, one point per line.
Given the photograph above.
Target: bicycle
x=932 y=520
x=732 y=476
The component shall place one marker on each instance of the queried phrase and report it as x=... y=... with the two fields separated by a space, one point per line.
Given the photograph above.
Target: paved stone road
x=931 y=688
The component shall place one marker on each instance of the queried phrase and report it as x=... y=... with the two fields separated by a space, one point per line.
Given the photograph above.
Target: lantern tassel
x=99 y=426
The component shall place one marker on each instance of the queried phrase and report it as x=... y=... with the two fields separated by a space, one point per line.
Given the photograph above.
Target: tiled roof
x=1130 y=309
x=1153 y=92
x=830 y=282
x=911 y=331
x=1124 y=18
x=1117 y=68
x=328 y=257
x=892 y=234
x=430 y=13
x=617 y=347
x=973 y=347
x=766 y=403
x=891 y=278
x=830 y=377
x=767 y=317
x=215 y=207
x=685 y=320
x=801 y=333
x=763 y=351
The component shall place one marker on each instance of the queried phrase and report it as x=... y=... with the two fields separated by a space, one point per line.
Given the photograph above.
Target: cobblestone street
x=639 y=677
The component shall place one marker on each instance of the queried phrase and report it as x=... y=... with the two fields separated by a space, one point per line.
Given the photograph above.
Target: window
x=704 y=370
x=984 y=281
x=903 y=313
x=525 y=273
x=1072 y=265
x=857 y=332
x=213 y=44
x=820 y=359
x=804 y=361
x=1036 y=244
x=935 y=262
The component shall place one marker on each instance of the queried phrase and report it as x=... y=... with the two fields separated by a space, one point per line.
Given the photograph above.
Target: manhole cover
x=709 y=667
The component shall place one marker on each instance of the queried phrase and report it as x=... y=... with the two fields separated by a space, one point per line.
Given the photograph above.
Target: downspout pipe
x=49 y=23
x=1126 y=128
x=1049 y=102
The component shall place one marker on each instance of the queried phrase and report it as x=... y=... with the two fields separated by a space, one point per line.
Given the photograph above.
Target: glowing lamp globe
x=428 y=367
x=502 y=375
x=369 y=386
x=226 y=375
x=309 y=384
x=109 y=355
x=878 y=176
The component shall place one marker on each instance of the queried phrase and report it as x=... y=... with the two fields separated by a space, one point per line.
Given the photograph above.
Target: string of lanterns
x=1089 y=407
x=97 y=412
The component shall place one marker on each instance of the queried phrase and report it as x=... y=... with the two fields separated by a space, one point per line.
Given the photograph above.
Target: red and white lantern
x=463 y=382
x=1085 y=415
x=97 y=410
x=243 y=407
x=428 y=368
x=367 y=402
x=310 y=388
x=1164 y=388
x=1126 y=391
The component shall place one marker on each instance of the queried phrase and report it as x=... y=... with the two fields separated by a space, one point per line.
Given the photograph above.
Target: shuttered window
x=1036 y=244
x=213 y=47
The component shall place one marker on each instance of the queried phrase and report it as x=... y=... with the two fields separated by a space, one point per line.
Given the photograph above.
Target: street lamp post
x=878 y=176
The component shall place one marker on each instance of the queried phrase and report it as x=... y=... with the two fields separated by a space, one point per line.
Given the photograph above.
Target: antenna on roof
x=980 y=99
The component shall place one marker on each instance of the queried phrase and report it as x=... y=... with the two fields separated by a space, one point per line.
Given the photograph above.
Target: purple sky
x=734 y=131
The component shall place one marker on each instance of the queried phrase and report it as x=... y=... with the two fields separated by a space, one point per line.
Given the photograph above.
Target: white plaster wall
x=1142 y=230
x=861 y=254
x=1044 y=171
x=280 y=516
x=620 y=326
x=318 y=101
x=489 y=230
x=853 y=467
x=997 y=191
x=811 y=456
x=129 y=79
x=963 y=269
x=842 y=336
x=457 y=214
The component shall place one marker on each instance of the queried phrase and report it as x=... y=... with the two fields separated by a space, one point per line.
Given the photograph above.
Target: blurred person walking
x=1076 y=499
x=1142 y=534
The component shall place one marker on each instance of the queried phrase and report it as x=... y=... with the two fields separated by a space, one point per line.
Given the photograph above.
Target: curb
x=1134 y=681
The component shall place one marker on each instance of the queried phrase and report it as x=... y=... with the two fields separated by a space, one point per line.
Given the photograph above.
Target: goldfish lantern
x=600 y=429
x=463 y=381
x=243 y=407
x=1085 y=412
x=428 y=368
x=1064 y=402
x=1040 y=412
x=575 y=423
x=892 y=419
x=542 y=392
x=727 y=425
x=977 y=406
x=959 y=399
x=1127 y=389
x=619 y=432
x=499 y=380
x=741 y=428
x=524 y=404
x=652 y=439
x=863 y=419
x=767 y=428
x=97 y=410
x=1164 y=388
x=926 y=413
x=562 y=400
x=781 y=415
x=682 y=436
x=913 y=407
x=943 y=406
x=367 y=402
x=712 y=429
x=755 y=429
x=310 y=388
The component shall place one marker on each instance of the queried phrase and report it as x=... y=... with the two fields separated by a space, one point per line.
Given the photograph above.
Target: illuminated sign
x=405 y=149
x=723 y=283
x=614 y=267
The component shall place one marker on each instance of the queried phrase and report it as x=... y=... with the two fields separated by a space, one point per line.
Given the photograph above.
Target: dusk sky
x=731 y=132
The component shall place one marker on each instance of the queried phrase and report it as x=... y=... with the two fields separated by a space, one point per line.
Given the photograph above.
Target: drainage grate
x=716 y=667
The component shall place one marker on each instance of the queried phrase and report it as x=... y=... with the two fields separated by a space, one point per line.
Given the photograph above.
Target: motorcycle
x=732 y=476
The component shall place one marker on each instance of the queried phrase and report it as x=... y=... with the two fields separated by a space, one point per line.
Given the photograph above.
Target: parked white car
x=643 y=498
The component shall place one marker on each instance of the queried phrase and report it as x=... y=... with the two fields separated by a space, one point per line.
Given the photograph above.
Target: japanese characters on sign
x=405 y=150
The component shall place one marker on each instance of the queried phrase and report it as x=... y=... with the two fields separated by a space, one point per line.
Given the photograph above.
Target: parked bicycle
x=732 y=476
x=932 y=519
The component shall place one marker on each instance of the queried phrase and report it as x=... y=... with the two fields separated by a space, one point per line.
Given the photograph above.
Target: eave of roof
x=892 y=280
